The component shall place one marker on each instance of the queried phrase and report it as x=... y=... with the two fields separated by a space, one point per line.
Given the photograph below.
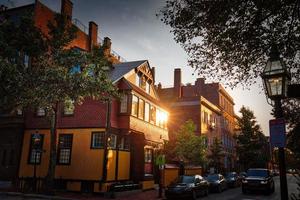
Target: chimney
x=66 y=8
x=93 y=34
x=107 y=46
x=199 y=84
x=177 y=83
x=153 y=73
x=159 y=86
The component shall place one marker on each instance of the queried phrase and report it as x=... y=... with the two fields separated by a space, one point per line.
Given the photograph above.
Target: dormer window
x=40 y=112
x=147 y=87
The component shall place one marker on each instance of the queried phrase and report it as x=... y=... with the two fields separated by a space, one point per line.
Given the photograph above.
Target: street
x=230 y=194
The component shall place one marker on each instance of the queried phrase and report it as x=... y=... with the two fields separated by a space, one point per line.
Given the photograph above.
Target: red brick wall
x=42 y=17
x=90 y=114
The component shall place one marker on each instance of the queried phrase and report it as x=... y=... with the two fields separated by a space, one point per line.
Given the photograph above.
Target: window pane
x=152 y=114
x=40 y=112
x=64 y=156
x=112 y=141
x=124 y=102
x=65 y=141
x=98 y=140
x=65 y=146
x=147 y=109
x=143 y=83
x=137 y=79
x=148 y=87
x=69 y=107
x=36 y=146
x=141 y=108
x=134 y=106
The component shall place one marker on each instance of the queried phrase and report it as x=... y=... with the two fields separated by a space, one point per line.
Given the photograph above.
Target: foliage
x=216 y=154
x=49 y=80
x=186 y=146
x=252 y=145
x=230 y=40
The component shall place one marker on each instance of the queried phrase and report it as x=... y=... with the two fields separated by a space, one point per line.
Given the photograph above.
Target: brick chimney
x=177 y=83
x=66 y=8
x=93 y=34
x=107 y=46
x=199 y=85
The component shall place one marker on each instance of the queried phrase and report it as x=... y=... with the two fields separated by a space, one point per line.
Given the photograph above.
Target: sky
x=137 y=34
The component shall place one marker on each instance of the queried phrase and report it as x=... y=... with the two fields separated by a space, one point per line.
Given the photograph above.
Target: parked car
x=187 y=187
x=258 y=179
x=243 y=175
x=233 y=180
x=216 y=182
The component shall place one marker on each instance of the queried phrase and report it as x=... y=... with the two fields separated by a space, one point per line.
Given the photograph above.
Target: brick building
x=208 y=105
x=135 y=126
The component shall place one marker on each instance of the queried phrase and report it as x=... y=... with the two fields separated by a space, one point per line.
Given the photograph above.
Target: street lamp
x=276 y=78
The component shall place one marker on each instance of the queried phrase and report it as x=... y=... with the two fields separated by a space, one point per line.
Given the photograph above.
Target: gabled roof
x=121 y=69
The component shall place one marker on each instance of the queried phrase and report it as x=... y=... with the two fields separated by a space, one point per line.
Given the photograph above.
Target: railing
x=80 y=25
x=85 y=29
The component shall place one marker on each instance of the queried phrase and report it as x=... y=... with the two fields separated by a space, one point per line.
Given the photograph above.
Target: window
x=141 y=108
x=69 y=107
x=36 y=147
x=40 y=112
x=143 y=83
x=19 y=111
x=123 y=104
x=137 y=79
x=134 y=105
x=147 y=87
x=152 y=114
x=147 y=112
x=158 y=117
x=26 y=60
x=65 y=148
x=124 y=143
x=148 y=161
x=112 y=141
x=205 y=117
x=98 y=140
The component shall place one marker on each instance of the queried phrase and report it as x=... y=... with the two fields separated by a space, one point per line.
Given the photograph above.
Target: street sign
x=277 y=132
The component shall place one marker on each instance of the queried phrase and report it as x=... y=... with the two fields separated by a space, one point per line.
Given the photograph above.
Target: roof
x=121 y=69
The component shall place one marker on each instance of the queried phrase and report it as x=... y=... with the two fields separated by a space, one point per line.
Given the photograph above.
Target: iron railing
x=85 y=29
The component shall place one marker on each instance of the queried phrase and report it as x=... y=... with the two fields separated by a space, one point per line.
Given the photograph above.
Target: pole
x=34 y=171
x=281 y=157
x=160 y=182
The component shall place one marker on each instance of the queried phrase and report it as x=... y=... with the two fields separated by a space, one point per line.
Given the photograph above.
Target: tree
x=186 y=146
x=51 y=79
x=252 y=146
x=216 y=154
x=231 y=39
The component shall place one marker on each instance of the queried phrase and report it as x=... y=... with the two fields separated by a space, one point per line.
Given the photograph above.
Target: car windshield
x=186 y=179
x=257 y=172
x=231 y=175
x=213 y=177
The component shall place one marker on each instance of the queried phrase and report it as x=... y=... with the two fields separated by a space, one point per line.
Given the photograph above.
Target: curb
x=40 y=196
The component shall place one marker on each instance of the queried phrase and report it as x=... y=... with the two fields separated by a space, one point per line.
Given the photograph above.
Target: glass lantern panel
x=274 y=86
x=274 y=67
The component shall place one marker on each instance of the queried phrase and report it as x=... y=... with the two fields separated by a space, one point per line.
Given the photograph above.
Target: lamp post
x=276 y=79
x=37 y=150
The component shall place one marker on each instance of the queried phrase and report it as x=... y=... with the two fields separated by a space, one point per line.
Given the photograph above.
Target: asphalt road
x=230 y=194
x=236 y=193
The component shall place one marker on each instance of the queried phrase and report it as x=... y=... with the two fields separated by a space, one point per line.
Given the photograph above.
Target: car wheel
x=244 y=191
x=219 y=189
x=194 y=195
x=206 y=192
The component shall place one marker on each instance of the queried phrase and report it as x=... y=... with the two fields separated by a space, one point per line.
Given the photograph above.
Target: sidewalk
x=133 y=195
